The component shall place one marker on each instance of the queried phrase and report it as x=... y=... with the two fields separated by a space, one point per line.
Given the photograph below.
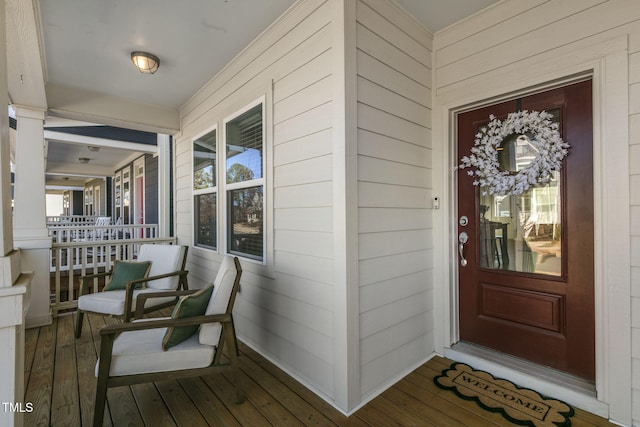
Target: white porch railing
x=72 y=219
x=70 y=260
x=82 y=233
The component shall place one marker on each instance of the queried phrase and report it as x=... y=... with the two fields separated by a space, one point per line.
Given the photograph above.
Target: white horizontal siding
x=307 y=171
x=564 y=23
x=310 y=243
x=394 y=184
x=302 y=363
x=378 y=245
x=304 y=315
x=380 y=49
x=387 y=291
x=370 y=94
x=303 y=124
x=378 y=121
x=383 y=74
x=304 y=196
x=399 y=359
x=306 y=291
x=527 y=21
x=306 y=99
x=384 y=147
x=390 y=267
x=406 y=330
x=304 y=219
x=396 y=28
x=284 y=310
x=389 y=339
x=313 y=71
x=634 y=170
x=309 y=146
x=374 y=195
x=383 y=171
x=371 y=220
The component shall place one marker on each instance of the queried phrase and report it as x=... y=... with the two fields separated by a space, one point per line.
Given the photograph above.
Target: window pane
x=245 y=215
x=523 y=233
x=244 y=146
x=204 y=161
x=205 y=220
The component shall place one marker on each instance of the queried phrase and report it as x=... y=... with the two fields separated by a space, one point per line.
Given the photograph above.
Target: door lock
x=464 y=220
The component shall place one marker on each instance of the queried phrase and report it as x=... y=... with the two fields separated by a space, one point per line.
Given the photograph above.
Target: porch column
x=30 y=232
x=164 y=187
x=14 y=287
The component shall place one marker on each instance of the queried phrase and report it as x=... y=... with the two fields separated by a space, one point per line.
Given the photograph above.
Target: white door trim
x=138 y=164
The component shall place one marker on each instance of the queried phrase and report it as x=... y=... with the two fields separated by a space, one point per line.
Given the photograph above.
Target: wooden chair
x=167 y=273
x=132 y=353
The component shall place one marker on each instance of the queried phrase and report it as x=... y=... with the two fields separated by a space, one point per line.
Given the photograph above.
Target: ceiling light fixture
x=145 y=62
x=93 y=148
x=83 y=159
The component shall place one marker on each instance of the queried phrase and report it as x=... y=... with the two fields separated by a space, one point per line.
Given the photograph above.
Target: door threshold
x=550 y=382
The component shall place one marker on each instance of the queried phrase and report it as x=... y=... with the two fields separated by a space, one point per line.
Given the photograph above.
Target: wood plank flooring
x=60 y=382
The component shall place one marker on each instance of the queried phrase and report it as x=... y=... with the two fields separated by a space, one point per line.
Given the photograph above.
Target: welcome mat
x=519 y=405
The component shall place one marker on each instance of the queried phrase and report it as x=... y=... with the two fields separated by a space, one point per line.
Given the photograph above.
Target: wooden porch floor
x=60 y=382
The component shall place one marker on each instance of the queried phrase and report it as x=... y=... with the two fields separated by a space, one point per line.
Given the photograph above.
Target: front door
x=526 y=284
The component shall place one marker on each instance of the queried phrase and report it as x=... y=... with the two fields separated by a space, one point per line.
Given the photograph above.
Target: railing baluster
x=73 y=257
x=58 y=263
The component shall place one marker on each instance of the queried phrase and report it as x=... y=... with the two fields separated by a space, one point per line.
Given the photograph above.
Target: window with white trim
x=244 y=180
x=205 y=191
x=234 y=182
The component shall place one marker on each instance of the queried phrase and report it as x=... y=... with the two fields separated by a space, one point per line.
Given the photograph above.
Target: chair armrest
x=141 y=299
x=144 y=280
x=108 y=334
x=85 y=279
x=130 y=287
x=165 y=323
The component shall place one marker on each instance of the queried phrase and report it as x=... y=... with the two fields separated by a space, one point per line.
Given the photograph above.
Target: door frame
x=607 y=64
x=138 y=195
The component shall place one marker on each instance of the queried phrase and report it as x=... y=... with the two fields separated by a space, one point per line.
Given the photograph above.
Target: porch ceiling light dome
x=145 y=62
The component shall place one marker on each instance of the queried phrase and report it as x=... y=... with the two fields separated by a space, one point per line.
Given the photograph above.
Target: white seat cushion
x=112 y=302
x=140 y=352
x=164 y=259
x=222 y=287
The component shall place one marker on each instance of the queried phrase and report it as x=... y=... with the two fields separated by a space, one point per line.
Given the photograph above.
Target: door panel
x=527 y=287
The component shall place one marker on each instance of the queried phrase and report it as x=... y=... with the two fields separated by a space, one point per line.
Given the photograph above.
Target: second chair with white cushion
x=165 y=272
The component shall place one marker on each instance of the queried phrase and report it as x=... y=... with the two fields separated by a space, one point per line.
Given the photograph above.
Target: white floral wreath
x=484 y=154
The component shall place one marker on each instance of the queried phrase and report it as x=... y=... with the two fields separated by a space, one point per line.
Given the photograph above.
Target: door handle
x=462 y=238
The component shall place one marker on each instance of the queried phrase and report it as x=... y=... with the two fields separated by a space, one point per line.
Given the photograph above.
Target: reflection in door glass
x=523 y=233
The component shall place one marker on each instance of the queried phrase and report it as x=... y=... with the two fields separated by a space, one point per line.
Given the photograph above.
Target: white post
x=14 y=287
x=164 y=195
x=29 y=217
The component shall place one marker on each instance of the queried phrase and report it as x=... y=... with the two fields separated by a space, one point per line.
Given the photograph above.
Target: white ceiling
x=439 y=14
x=88 y=42
x=86 y=46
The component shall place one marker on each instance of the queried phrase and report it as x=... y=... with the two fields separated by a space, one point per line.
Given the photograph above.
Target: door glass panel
x=522 y=233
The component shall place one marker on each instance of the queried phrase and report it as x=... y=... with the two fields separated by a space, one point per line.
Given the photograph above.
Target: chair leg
x=79 y=319
x=101 y=400
x=235 y=338
x=230 y=337
x=104 y=367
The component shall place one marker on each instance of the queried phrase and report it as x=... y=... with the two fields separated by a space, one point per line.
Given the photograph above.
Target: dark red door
x=527 y=288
